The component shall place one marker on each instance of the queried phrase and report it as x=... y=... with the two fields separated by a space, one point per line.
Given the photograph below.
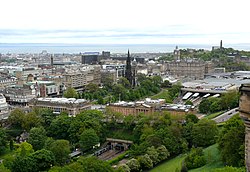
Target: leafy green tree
x=3 y=140
x=145 y=162
x=153 y=154
x=204 y=106
x=191 y=118
x=61 y=150
x=124 y=82
x=40 y=160
x=174 y=91
x=230 y=100
x=88 y=119
x=88 y=139
x=43 y=160
x=123 y=168
x=46 y=115
x=189 y=102
x=16 y=118
x=70 y=93
x=91 y=87
x=163 y=153
x=204 y=132
x=231 y=142
x=93 y=164
x=166 y=84
x=37 y=138
x=134 y=165
x=30 y=120
x=195 y=158
x=59 y=127
x=24 y=149
x=23 y=164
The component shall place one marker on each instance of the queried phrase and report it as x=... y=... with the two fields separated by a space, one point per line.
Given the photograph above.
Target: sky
x=125 y=21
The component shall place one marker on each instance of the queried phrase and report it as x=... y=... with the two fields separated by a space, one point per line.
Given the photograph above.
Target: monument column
x=245 y=115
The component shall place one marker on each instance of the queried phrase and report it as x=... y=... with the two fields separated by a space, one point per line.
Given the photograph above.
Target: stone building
x=245 y=115
x=79 y=76
x=189 y=68
x=57 y=105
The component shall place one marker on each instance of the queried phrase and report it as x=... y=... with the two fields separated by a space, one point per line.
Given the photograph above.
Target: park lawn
x=161 y=95
x=170 y=165
x=212 y=155
x=214 y=115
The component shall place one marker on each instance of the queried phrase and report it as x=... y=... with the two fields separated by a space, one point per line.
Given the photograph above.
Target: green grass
x=212 y=156
x=213 y=115
x=213 y=159
x=170 y=165
x=161 y=95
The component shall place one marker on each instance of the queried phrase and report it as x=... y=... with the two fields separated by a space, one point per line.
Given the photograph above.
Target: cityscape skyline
x=128 y=22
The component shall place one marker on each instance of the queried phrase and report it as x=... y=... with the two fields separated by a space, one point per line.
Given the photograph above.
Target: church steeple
x=128 y=72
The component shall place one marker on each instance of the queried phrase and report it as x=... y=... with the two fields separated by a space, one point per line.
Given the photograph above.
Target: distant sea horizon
x=75 y=48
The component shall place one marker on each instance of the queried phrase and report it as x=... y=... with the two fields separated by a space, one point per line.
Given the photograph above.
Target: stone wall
x=245 y=115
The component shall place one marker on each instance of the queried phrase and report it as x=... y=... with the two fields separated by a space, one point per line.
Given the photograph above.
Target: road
x=226 y=116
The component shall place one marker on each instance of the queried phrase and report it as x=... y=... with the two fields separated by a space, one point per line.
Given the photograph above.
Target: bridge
x=203 y=91
x=112 y=148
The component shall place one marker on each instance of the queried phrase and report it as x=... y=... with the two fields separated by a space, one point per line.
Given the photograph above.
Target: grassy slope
x=169 y=166
x=213 y=160
x=212 y=157
x=213 y=115
x=161 y=95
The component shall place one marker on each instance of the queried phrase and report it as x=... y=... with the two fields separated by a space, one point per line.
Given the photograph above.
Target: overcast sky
x=125 y=21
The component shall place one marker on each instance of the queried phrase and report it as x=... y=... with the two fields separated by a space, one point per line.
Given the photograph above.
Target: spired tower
x=177 y=53
x=128 y=72
x=245 y=115
x=221 y=44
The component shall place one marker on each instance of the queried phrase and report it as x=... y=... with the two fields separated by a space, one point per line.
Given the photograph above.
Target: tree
x=43 y=160
x=88 y=139
x=37 y=138
x=24 y=149
x=40 y=160
x=153 y=154
x=204 y=106
x=195 y=158
x=230 y=100
x=145 y=162
x=3 y=140
x=134 y=165
x=163 y=153
x=191 y=118
x=61 y=150
x=30 y=120
x=204 y=132
x=124 y=82
x=70 y=93
x=189 y=102
x=231 y=142
x=91 y=88
x=16 y=118
x=123 y=168
x=59 y=127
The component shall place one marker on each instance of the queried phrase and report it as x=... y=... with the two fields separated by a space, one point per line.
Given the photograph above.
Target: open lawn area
x=162 y=95
x=169 y=165
x=212 y=156
x=214 y=115
x=213 y=159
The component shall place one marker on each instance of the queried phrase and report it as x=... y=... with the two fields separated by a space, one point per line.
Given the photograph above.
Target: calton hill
x=40 y=140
